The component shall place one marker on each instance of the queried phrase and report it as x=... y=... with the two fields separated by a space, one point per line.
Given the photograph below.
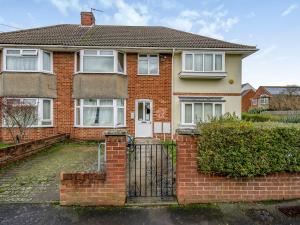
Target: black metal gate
x=151 y=170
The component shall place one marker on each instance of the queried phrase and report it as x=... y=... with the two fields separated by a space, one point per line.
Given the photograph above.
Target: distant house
x=247 y=94
x=277 y=98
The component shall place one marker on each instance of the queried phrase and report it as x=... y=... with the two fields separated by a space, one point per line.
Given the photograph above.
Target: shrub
x=256 y=110
x=260 y=117
x=291 y=119
x=244 y=149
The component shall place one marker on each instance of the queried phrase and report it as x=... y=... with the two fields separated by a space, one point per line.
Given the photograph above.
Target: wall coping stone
x=116 y=132
x=187 y=131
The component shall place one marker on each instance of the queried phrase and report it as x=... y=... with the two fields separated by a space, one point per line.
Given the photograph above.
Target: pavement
x=204 y=214
x=36 y=179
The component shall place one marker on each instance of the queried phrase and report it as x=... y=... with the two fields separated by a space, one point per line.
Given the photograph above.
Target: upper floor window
x=203 y=62
x=148 y=64
x=27 y=60
x=100 y=61
x=264 y=100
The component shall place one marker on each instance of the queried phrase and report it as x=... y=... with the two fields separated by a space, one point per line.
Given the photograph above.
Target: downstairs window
x=100 y=112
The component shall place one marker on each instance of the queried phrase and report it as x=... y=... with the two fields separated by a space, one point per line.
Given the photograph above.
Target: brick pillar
x=99 y=188
x=186 y=163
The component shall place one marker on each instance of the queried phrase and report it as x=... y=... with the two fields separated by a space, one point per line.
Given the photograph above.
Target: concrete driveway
x=37 y=178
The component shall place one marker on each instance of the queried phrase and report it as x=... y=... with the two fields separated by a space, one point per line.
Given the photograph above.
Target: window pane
x=198 y=115
x=106 y=52
x=143 y=66
x=188 y=113
x=120 y=102
x=29 y=52
x=208 y=62
x=46 y=109
x=140 y=111
x=120 y=115
x=98 y=64
x=198 y=62
x=90 y=101
x=218 y=62
x=29 y=101
x=21 y=63
x=218 y=110
x=90 y=52
x=188 y=62
x=16 y=52
x=77 y=119
x=77 y=61
x=77 y=102
x=208 y=111
x=106 y=116
x=106 y=102
x=46 y=61
x=147 y=111
x=153 y=65
x=90 y=116
x=120 y=62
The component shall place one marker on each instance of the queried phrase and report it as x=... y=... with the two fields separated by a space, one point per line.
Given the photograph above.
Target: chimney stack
x=87 y=19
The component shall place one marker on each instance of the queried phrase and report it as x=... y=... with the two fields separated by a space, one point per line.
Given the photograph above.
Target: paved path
x=221 y=214
x=37 y=178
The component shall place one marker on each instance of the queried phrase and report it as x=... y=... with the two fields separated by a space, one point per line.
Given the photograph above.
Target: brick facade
x=99 y=188
x=246 y=100
x=156 y=88
x=195 y=187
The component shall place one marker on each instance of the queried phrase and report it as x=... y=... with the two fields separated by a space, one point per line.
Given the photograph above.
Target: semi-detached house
x=84 y=79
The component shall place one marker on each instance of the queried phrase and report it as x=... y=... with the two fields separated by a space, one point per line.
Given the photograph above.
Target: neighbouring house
x=86 y=78
x=247 y=94
x=277 y=98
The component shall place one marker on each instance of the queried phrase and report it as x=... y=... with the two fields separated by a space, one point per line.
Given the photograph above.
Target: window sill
x=103 y=127
x=27 y=71
x=101 y=73
x=149 y=75
x=202 y=75
x=50 y=126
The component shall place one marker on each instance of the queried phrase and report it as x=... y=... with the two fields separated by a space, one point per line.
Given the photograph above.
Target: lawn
x=3 y=145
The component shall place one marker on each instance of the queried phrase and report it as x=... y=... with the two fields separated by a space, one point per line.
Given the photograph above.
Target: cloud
x=250 y=15
x=65 y=5
x=125 y=13
x=209 y=23
x=290 y=9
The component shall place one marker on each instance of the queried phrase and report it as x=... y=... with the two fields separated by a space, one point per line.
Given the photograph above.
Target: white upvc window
x=43 y=108
x=27 y=60
x=100 y=113
x=148 y=64
x=264 y=100
x=203 y=61
x=195 y=112
x=100 y=61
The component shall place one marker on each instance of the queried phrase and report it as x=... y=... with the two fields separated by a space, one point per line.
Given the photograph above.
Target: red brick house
x=84 y=79
x=276 y=97
x=247 y=94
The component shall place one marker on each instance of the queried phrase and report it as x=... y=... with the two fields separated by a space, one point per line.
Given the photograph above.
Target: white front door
x=143 y=118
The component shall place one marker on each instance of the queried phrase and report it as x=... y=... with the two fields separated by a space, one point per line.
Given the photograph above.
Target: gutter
x=172 y=89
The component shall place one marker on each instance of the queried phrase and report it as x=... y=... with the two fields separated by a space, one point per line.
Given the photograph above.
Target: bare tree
x=17 y=117
x=289 y=99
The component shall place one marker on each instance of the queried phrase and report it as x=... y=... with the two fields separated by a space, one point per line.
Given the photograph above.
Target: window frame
x=39 y=104
x=115 y=61
x=148 y=69
x=184 y=53
x=182 y=110
x=39 y=54
x=264 y=100
x=115 y=112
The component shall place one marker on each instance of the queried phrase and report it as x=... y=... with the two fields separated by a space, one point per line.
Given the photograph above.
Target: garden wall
x=20 y=151
x=99 y=188
x=195 y=187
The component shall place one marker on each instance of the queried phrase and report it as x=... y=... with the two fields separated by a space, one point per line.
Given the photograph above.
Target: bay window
x=203 y=62
x=100 y=112
x=43 y=108
x=100 y=61
x=148 y=64
x=195 y=112
x=27 y=60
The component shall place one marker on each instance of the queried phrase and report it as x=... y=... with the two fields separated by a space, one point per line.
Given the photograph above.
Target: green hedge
x=260 y=117
x=244 y=149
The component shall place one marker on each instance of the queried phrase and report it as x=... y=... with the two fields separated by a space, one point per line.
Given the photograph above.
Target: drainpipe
x=172 y=117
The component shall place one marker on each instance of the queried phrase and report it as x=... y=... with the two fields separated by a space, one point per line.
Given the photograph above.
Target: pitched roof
x=115 y=36
x=278 y=90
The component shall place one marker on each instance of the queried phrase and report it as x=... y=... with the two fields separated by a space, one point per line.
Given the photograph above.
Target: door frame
x=136 y=115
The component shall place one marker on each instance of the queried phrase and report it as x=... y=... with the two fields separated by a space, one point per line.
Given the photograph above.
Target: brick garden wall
x=195 y=187
x=96 y=188
x=17 y=152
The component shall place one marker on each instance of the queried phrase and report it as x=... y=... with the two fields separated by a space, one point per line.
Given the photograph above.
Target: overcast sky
x=272 y=25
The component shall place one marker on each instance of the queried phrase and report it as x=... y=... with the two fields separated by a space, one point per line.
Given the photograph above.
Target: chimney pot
x=87 y=19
